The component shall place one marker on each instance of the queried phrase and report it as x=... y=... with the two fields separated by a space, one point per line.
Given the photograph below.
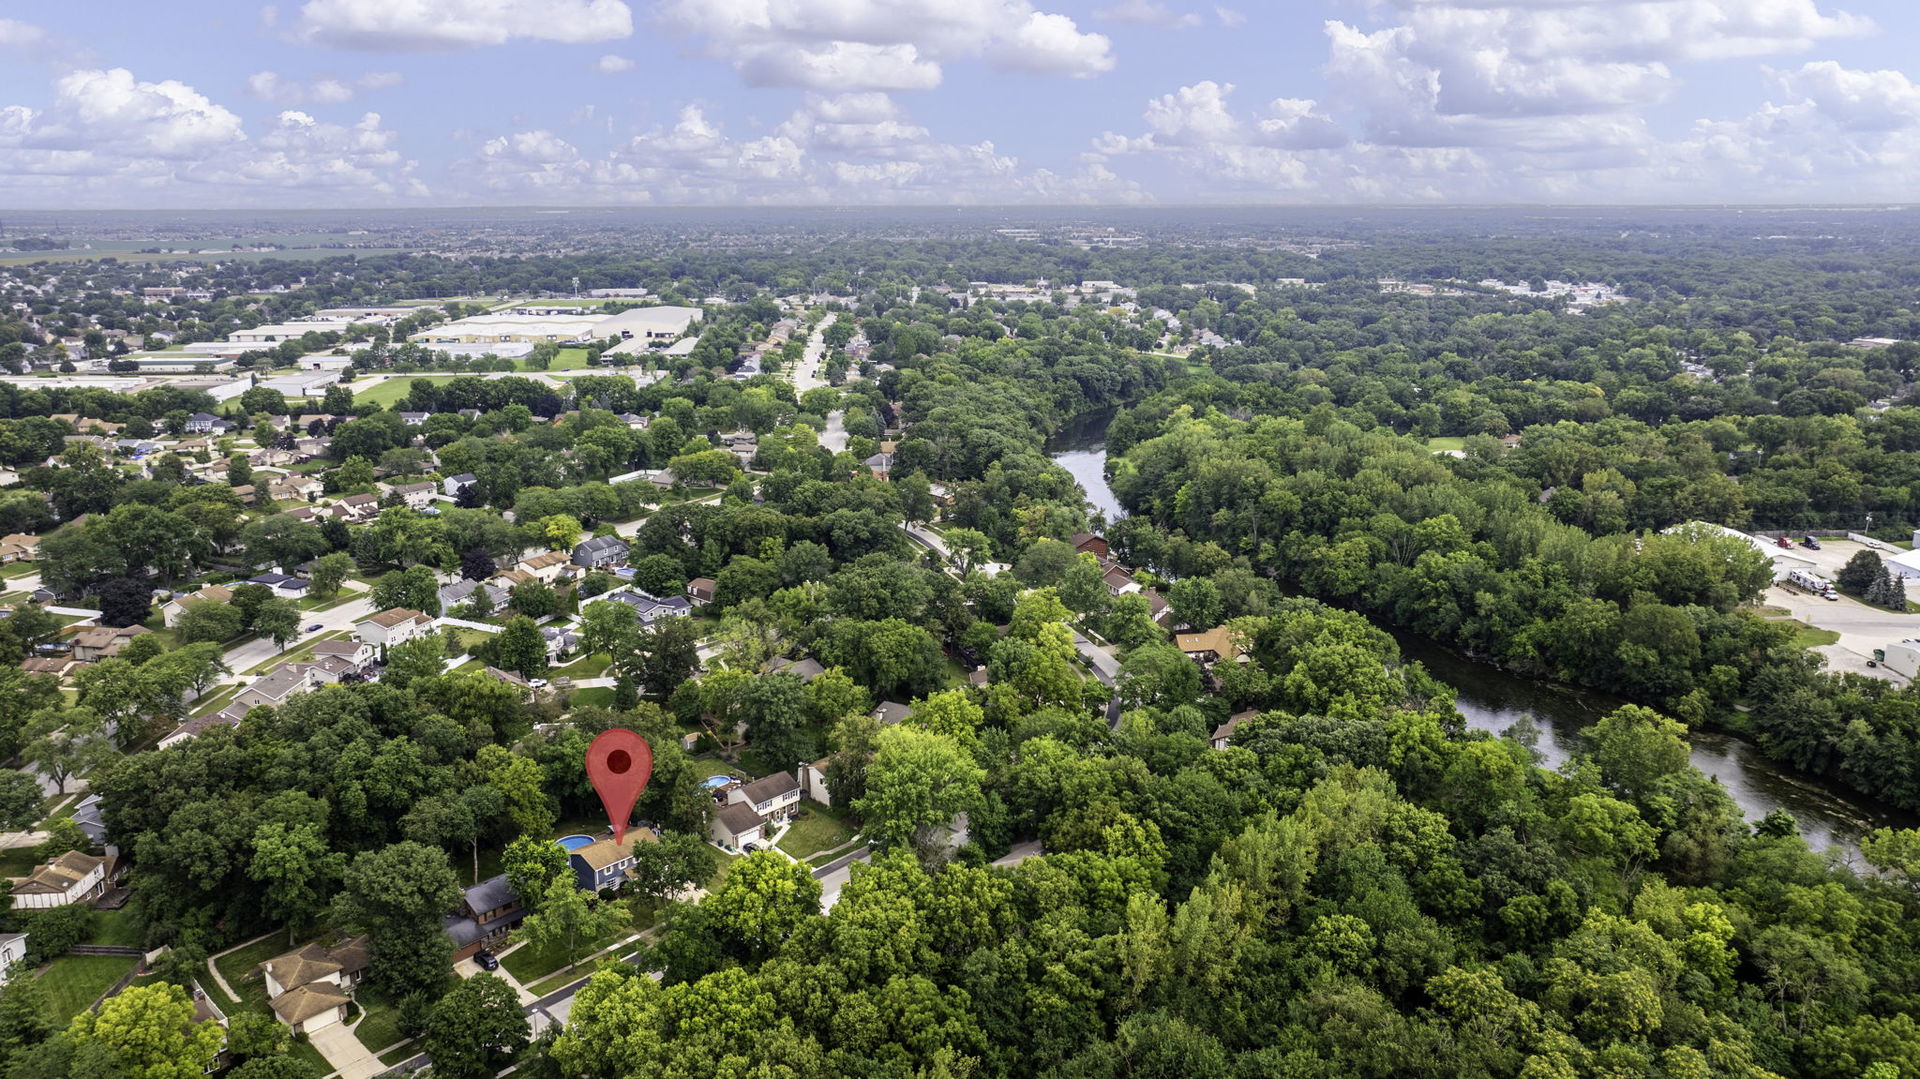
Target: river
x=1492 y=700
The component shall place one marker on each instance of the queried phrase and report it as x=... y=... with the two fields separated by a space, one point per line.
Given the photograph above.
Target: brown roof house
x=71 y=878
x=773 y=798
x=1088 y=543
x=1223 y=734
x=735 y=825
x=700 y=589
x=308 y=988
x=1209 y=648
x=171 y=610
x=104 y=642
x=19 y=547
x=602 y=865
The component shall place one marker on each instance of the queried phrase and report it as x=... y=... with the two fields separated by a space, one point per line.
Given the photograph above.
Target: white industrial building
x=642 y=323
x=275 y=332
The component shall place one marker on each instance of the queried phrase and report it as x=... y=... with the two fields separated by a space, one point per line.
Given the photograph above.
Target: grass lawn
x=817 y=829
x=381 y=1027
x=594 y=697
x=391 y=1057
x=115 y=927
x=530 y=964
x=18 y=569
x=392 y=390
x=316 y=603
x=569 y=359
x=1443 y=443
x=711 y=766
x=1806 y=636
x=592 y=666
x=214 y=701
x=17 y=861
x=303 y=653
x=241 y=969
x=470 y=637
x=73 y=982
x=721 y=860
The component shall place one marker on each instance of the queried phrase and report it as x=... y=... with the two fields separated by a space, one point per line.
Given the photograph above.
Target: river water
x=1551 y=716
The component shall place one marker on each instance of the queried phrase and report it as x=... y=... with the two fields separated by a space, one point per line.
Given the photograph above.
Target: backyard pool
x=574 y=842
x=715 y=782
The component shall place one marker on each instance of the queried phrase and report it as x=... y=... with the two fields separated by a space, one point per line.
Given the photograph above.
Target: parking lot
x=1862 y=628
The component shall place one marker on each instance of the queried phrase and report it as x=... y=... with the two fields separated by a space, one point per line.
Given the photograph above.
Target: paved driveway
x=345 y=1053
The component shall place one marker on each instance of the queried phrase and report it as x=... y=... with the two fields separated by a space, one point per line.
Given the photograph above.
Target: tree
x=475 y=1029
x=149 y=1033
x=125 y=602
x=1195 y=602
x=422 y=657
x=560 y=531
x=664 y=869
x=329 y=573
x=568 y=916
x=66 y=742
x=532 y=863
x=397 y=895
x=277 y=619
x=239 y=473
x=520 y=648
x=764 y=899
x=20 y=800
x=415 y=589
x=918 y=782
x=476 y=564
x=521 y=782
x=1860 y=572
x=298 y=869
x=215 y=622
x=535 y=599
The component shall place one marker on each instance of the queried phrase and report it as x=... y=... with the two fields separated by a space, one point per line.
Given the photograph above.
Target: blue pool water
x=712 y=782
x=574 y=842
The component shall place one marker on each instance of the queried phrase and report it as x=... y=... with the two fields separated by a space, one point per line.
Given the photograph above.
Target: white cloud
x=323 y=90
x=1229 y=17
x=108 y=137
x=396 y=25
x=839 y=65
x=1863 y=101
x=613 y=64
x=15 y=32
x=883 y=44
x=1149 y=13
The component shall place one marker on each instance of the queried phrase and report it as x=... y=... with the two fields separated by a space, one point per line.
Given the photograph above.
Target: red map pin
x=619 y=762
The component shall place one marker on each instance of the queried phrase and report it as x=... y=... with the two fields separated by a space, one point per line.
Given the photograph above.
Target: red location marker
x=619 y=762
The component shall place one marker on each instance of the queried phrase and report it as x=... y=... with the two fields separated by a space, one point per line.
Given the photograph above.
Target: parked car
x=537 y=683
x=316 y=627
x=1810 y=543
x=486 y=961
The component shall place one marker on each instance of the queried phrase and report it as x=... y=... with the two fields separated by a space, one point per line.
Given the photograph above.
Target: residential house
x=355 y=509
x=1223 y=734
x=774 y=798
x=507 y=578
x=13 y=948
x=735 y=825
x=8 y=477
x=415 y=495
x=633 y=422
x=284 y=585
x=546 y=567
x=73 y=877
x=1209 y=648
x=295 y=488
x=230 y=716
x=813 y=781
x=602 y=865
x=313 y=446
x=488 y=910
x=890 y=712
x=308 y=515
x=278 y=686
x=561 y=642
x=650 y=608
x=56 y=666
x=171 y=610
x=880 y=465
x=19 y=547
x=1157 y=607
x=807 y=669
x=201 y=423
x=460 y=592
x=309 y=988
x=394 y=626
x=356 y=656
x=104 y=642
x=600 y=551
x=273 y=457
x=700 y=589
x=1119 y=580
x=452 y=484
x=1088 y=543
x=414 y=419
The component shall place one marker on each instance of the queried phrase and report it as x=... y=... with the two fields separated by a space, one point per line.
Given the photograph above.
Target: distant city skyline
x=394 y=103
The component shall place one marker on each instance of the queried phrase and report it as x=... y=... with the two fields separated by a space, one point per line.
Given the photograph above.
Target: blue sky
x=315 y=103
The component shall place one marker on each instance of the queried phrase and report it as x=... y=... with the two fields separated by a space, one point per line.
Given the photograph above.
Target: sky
x=342 y=103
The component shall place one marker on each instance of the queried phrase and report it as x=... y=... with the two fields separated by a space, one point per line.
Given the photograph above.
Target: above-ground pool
x=575 y=842
x=713 y=782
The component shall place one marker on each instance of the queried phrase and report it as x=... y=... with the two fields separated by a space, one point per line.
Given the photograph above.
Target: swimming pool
x=574 y=842
x=713 y=782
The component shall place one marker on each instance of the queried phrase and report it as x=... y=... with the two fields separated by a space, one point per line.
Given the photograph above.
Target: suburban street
x=255 y=652
x=806 y=376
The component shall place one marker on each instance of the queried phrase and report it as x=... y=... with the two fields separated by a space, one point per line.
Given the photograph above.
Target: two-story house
x=73 y=877
x=396 y=625
x=13 y=948
x=488 y=910
x=773 y=798
x=415 y=495
x=546 y=567
x=104 y=642
x=308 y=988
x=600 y=551
x=278 y=686
x=602 y=864
x=355 y=509
x=452 y=484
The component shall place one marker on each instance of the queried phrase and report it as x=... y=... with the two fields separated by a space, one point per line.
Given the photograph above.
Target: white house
x=546 y=567
x=71 y=878
x=775 y=797
x=13 y=948
x=396 y=625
